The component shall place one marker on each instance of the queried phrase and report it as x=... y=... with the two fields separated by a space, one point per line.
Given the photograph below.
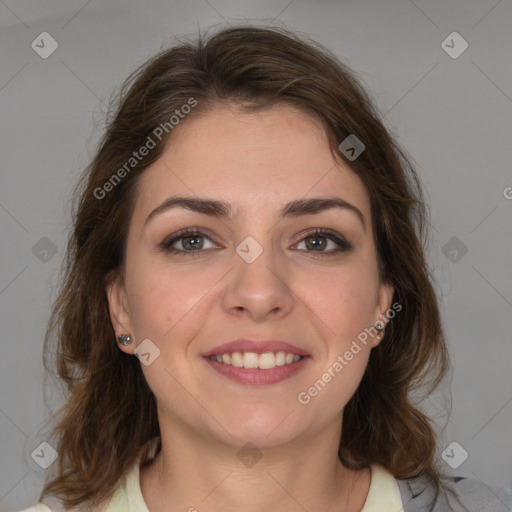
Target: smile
x=254 y=369
x=265 y=361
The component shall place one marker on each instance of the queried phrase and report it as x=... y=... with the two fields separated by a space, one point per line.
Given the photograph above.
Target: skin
x=187 y=305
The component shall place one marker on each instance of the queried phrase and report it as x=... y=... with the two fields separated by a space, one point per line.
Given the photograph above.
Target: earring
x=379 y=327
x=124 y=339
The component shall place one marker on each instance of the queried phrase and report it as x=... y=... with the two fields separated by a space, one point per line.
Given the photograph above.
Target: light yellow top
x=383 y=496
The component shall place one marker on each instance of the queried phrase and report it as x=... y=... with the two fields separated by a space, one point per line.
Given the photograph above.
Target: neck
x=195 y=473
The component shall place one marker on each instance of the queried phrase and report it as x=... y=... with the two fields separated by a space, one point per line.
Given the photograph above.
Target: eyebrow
x=222 y=209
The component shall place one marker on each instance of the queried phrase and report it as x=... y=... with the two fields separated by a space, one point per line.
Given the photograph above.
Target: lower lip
x=256 y=376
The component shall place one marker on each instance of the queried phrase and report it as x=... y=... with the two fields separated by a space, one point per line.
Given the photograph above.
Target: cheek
x=344 y=299
x=162 y=299
x=330 y=389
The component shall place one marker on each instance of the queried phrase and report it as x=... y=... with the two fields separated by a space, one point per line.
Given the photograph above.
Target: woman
x=247 y=306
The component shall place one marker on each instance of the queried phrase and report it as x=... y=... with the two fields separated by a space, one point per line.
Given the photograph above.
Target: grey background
x=451 y=114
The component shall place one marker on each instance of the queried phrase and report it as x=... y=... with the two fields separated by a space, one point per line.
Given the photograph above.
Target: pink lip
x=258 y=347
x=255 y=376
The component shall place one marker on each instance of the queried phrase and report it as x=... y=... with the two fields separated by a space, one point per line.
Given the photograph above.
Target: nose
x=260 y=289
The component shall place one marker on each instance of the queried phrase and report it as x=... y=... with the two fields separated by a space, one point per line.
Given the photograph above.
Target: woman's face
x=252 y=269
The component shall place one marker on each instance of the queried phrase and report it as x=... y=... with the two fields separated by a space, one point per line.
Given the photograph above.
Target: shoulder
x=39 y=507
x=54 y=505
x=127 y=497
x=478 y=495
x=459 y=494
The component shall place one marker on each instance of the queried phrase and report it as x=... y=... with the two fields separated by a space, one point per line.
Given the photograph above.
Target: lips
x=258 y=347
x=257 y=363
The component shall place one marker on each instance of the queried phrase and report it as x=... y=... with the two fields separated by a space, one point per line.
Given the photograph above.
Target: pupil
x=315 y=242
x=192 y=242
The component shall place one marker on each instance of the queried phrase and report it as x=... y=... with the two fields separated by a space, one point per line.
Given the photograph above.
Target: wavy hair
x=109 y=412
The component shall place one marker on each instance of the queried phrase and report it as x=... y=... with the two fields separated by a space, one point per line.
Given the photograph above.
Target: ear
x=383 y=306
x=119 y=310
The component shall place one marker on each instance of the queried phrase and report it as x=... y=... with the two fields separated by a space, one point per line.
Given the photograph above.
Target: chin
x=261 y=425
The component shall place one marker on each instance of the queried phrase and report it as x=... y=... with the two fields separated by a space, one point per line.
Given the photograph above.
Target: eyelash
x=343 y=245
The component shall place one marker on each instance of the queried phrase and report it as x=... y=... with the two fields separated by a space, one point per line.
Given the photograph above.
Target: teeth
x=267 y=360
x=237 y=359
x=251 y=360
x=264 y=361
x=280 y=358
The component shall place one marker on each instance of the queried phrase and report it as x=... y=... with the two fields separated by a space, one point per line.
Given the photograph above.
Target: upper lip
x=257 y=346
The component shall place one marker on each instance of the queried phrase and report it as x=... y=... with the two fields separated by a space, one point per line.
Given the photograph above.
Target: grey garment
x=461 y=495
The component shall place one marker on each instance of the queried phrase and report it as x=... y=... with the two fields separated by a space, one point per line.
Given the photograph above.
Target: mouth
x=257 y=376
x=257 y=362
x=253 y=360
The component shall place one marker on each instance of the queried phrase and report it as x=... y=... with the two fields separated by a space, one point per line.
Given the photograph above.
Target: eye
x=192 y=242
x=324 y=242
x=189 y=240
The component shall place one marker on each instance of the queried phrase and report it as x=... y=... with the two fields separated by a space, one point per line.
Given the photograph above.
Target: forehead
x=255 y=160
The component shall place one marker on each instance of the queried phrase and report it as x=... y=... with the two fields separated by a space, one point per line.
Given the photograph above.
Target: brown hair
x=110 y=412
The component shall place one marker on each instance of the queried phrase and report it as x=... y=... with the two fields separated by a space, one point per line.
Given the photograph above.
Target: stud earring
x=124 y=339
x=379 y=327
